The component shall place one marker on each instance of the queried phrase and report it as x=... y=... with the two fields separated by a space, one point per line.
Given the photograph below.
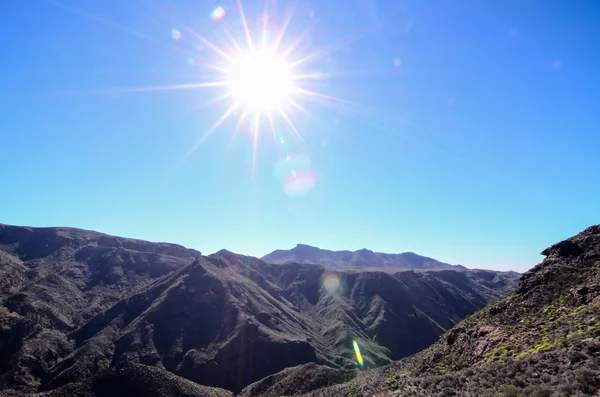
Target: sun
x=261 y=81
x=263 y=77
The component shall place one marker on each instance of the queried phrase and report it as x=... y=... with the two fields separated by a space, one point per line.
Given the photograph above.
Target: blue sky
x=467 y=131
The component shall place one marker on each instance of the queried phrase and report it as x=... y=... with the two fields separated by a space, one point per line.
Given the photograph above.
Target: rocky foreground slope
x=84 y=313
x=541 y=340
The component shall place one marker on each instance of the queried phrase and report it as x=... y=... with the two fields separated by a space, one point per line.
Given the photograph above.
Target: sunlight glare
x=218 y=13
x=296 y=174
x=299 y=183
x=331 y=282
x=359 y=357
x=260 y=80
x=266 y=84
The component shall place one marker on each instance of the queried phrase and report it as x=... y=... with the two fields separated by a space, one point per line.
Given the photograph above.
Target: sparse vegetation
x=542 y=340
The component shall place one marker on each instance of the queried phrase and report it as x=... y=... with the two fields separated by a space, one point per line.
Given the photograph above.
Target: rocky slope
x=81 y=308
x=53 y=280
x=362 y=258
x=130 y=380
x=541 y=340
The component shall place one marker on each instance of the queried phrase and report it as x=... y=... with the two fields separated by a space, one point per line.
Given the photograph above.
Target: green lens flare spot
x=359 y=357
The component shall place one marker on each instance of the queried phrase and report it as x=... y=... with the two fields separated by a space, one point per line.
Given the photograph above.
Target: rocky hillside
x=361 y=258
x=54 y=280
x=541 y=340
x=81 y=310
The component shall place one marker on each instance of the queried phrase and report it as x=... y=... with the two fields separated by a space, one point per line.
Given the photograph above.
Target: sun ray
x=186 y=76
x=317 y=75
x=176 y=86
x=273 y=132
x=216 y=100
x=320 y=95
x=212 y=46
x=245 y=24
x=345 y=73
x=214 y=67
x=290 y=49
x=212 y=129
x=309 y=76
x=292 y=126
x=242 y=118
x=265 y=25
x=172 y=20
x=332 y=48
x=122 y=90
x=284 y=27
x=104 y=21
x=255 y=134
x=233 y=42
x=238 y=125
x=338 y=104
x=297 y=106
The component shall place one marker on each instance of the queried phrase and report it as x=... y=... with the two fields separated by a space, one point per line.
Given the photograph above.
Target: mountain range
x=543 y=339
x=88 y=314
x=362 y=258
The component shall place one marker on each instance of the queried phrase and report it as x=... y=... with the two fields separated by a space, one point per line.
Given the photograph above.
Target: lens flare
x=175 y=34
x=218 y=13
x=331 y=282
x=296 y=175
x=359 y=357
x=556 y=64
x=299 y=183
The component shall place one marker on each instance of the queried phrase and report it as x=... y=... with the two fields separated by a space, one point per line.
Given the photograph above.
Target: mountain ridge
x=77 y=305
x=304 y=253
x=541 y=340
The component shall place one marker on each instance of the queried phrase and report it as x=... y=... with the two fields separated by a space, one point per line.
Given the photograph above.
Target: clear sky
x=468 y=131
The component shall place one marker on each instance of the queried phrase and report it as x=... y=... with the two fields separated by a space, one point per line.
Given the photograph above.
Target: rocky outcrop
x=297 y=380
x=137 y=380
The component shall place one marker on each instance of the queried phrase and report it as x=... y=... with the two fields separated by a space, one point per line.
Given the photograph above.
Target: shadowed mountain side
x=132 y=380
x=297 y=380
x=541 y=340
x=228 y=320
x=224 y=320
x=362 y=258
x=52 y=280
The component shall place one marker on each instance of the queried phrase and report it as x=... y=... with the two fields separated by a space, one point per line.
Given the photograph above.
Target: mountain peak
x=364 y=257
x=300 y=245
x=541 y=340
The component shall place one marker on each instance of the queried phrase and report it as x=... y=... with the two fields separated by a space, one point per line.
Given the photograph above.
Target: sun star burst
x=261 y=80
x=262 y=77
